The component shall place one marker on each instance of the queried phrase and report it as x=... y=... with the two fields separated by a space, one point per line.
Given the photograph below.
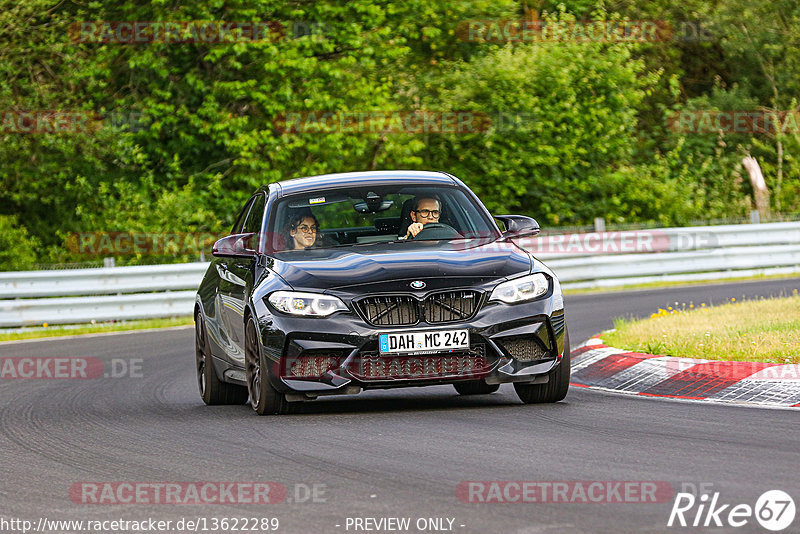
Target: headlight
x=312 y=304
x=521 y=289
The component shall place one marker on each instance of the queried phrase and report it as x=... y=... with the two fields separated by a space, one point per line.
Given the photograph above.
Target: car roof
x=363 y=179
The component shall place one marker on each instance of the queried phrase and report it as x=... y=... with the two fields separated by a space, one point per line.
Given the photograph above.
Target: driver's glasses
x=434 y=214
x=308 y=229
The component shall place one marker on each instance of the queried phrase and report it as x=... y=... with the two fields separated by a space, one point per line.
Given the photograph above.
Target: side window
x=237 y=228
x=252 y=222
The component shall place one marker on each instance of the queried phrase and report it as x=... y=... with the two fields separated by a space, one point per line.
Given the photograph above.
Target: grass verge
x=34 y=332
x=764 y=330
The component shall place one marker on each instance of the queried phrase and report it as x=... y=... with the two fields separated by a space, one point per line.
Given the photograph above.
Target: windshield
x=337 y=217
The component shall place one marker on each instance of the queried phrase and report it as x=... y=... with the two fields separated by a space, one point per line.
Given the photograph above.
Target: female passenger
x=302 y=231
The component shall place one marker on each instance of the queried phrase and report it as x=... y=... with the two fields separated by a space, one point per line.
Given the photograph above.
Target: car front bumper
x=508 y=343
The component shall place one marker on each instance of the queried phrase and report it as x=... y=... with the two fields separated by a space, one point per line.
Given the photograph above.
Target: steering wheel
x=436 y=231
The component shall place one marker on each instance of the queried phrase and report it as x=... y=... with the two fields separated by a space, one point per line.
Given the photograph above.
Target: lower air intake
x=524 y=348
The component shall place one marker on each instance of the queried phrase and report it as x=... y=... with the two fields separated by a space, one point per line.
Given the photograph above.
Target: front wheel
x=264 y=398
x=213 y=390
x=556 y=387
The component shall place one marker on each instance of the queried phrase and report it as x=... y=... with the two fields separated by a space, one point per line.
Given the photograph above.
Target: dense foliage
x=574 y=127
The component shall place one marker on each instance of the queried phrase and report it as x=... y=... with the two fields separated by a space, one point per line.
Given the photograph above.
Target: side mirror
x=235 y=246
x=518 y=226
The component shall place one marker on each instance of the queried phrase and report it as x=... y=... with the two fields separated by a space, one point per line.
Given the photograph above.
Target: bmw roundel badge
x=417 y=284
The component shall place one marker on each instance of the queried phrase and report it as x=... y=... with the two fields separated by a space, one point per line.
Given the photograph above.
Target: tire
x=475 y=387
x=264 y=399
x=556 y=387
x=213 y=390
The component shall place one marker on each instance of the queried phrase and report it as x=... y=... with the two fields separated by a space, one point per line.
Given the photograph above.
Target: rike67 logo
x=774 y=510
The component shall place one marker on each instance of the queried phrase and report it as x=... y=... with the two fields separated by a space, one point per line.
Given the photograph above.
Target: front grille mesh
x=523 y=348
x=312 y=364
x=371 y=365
x=450 y=306
x=391 y=310
x=399 y=310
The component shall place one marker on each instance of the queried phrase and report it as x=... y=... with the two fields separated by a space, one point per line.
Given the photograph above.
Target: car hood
x=458 y=262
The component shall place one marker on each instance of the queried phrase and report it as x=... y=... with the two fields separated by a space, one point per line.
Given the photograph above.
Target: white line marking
x=96 y=334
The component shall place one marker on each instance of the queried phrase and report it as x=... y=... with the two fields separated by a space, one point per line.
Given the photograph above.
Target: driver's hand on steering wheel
x=414 y=229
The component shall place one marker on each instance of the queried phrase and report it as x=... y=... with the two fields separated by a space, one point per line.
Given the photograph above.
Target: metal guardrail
x=550 y=247
x=100 y=294
x=101 y=281
x=101 y=308
x=633 y=257
x=627 y=269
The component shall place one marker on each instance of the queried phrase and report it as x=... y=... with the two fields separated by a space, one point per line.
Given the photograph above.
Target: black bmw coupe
x=339 y=283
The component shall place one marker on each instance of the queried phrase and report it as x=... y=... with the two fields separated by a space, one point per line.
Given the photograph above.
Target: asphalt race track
x=384 y=454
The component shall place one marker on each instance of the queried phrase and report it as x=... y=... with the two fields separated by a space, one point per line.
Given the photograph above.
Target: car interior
x=361 y=217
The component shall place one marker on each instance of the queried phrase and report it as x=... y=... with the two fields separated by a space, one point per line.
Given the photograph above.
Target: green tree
x=565 y=123
x=17 y=248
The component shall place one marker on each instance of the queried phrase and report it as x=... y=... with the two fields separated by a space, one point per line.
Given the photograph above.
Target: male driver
x=425 y=210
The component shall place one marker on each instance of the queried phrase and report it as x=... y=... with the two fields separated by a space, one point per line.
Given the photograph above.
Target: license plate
x=415 y=342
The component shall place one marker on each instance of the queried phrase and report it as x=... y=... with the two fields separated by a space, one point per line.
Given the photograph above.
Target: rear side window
x=237 y=228
x=252 y=222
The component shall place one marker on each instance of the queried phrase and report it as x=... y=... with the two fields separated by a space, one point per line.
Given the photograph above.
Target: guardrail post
x=755 y=217
x=599 y=224
x=108 y=262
